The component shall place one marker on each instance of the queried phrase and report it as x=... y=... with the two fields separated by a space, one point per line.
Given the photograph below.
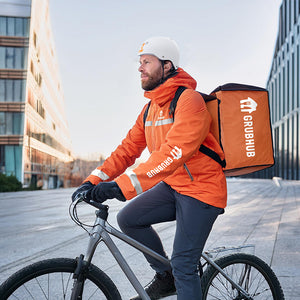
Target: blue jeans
x=194 y=221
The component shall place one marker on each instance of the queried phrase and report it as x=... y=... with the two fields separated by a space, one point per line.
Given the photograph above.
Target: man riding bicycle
x=177 y=182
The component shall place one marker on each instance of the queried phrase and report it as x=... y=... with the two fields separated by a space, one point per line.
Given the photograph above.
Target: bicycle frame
x=101 y=232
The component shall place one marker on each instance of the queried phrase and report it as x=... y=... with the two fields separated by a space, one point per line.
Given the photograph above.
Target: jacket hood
x=166 y=91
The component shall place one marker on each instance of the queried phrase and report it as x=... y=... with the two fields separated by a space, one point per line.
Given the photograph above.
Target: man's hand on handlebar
x=84 y=190
x=98 y=193
x=107 y=190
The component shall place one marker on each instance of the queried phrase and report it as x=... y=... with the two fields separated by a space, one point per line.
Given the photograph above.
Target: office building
x=35 y=144
x=284 y=93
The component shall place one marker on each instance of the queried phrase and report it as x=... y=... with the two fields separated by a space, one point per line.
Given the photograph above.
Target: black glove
x=107 y=190
x=86 y=188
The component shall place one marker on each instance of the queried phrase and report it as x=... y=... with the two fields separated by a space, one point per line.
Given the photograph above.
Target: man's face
x=151 y=71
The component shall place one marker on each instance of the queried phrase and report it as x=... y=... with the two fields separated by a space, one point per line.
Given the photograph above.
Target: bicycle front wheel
x=53 y=279
x=248 y=271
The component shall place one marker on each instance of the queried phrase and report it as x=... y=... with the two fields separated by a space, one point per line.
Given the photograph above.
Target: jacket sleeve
x=124 y=156
x=190 y=128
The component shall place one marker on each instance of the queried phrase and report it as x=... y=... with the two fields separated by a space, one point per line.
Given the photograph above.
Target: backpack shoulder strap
x=172 y=104
x=205 y=150
x=146 y=112
x=212 y=154
x=174 y=101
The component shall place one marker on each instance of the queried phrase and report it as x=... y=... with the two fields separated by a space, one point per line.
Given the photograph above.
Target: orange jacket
x=173 y=145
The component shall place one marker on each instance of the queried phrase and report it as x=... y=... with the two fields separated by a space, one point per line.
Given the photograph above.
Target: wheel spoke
x=53 y=279
x=249 y=272
x=28 y=292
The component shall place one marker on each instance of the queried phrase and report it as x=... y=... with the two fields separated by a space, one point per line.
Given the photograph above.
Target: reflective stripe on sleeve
x=135 y=182
x=100 y=174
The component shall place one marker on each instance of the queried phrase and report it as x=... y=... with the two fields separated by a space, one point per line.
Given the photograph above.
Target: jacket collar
x=165 y=92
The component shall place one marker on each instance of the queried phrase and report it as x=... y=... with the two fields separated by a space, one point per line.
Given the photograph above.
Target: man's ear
x=167 y=66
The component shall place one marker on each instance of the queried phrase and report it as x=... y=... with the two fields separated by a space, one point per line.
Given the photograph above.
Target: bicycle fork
x=79 y=279
x=82 y=265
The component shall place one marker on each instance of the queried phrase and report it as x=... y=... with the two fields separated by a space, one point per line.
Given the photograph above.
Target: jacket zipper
x=188 y=171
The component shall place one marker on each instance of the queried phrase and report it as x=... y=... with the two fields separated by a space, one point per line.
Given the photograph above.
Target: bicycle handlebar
x=82 y=197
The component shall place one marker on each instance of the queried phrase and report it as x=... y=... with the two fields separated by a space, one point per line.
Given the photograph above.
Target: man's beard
x=152 y=81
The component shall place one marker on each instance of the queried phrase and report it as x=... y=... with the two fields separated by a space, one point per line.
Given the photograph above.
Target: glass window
x=23 y=90
x=11 y=123
x=2 y=57
x=2 y=90
x=19 y=27
x=297 y=146
x=279 y=97
x=2 y=159
x=290 y=15
x=3 y=26
x=12 y=90
x=287 y=110
x=293 y=82
x=2 y=122
x=284 y=21
x=281 y=25
x=18 y=63
x=9 y=160
x=283 y=92
x=9 y=90
x=10 y=26
x=18 y=123
x=298 y=76
x=9 y=57
x=295 y=12
x=12 y=58
x=17 y=90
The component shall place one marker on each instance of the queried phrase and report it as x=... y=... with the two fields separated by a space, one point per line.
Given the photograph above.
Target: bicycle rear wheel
x=249 y=271
x=53 y=279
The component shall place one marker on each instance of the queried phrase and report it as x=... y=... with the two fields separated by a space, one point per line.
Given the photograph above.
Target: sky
x=97 y=42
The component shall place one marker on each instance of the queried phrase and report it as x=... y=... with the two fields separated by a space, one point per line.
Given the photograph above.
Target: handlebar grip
x=82 y=197
x=98 y=205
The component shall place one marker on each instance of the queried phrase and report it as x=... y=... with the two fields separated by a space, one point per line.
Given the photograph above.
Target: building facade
x=35 y=143
x=284 y=93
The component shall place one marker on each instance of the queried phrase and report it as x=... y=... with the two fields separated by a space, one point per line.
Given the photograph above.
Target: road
x=36 y=225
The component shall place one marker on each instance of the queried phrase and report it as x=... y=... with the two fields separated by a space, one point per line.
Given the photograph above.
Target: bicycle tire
x=34 y=282
x=249 y=271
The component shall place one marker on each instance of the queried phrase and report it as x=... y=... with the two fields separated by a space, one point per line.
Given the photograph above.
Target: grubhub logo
x=176 y=154
x=248 y=106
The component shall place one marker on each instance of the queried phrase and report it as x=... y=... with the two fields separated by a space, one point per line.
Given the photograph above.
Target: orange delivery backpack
x=241 y=124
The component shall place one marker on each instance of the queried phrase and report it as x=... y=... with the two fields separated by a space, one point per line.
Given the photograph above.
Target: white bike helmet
x=163 y=48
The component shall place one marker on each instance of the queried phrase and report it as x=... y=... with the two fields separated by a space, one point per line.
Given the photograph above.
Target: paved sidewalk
x=265 y=213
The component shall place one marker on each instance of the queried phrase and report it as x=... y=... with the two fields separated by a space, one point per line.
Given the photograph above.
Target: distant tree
x=9 y=183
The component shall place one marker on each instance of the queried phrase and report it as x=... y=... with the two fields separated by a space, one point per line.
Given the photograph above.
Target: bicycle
x=236 y=276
